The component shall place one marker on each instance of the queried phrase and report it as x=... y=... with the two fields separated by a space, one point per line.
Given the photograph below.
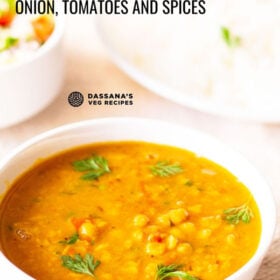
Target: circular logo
x=75 y=99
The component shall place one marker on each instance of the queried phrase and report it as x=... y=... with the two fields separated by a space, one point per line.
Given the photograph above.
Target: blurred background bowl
x=28 y=86
x=192 y=60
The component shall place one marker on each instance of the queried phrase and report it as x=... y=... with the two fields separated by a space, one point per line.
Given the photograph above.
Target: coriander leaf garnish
x=85 y=265
x=235 y=215
x=71 y=240
x=230 y=39
x=95 y=166
x=166 y=169
x=169 y=271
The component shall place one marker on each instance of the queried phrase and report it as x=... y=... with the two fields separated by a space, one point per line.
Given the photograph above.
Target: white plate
x=124 y=37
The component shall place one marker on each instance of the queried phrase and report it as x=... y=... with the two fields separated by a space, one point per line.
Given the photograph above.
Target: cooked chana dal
x=128 y=210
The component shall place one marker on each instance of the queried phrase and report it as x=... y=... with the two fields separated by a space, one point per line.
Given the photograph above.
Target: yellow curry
x=128 y=210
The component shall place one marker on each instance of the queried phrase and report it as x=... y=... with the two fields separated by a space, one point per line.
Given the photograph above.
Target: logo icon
x=75 y=99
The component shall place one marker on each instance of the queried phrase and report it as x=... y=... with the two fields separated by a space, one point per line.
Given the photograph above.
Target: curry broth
x=130 y=218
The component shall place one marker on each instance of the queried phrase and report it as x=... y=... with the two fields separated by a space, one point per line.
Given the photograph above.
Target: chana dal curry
x=128 y=210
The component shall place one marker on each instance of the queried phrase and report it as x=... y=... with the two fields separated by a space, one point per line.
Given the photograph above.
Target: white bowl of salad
x=31 y=62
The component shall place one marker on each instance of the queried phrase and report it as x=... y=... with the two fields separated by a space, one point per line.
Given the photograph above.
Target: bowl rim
x=263 y=245
x=51 y=42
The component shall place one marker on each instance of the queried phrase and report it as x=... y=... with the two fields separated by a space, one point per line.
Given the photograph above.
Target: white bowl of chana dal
x=31 y=62
x=125 y=198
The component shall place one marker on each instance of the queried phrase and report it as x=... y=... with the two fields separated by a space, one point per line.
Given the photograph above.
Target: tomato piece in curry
x=128 y=210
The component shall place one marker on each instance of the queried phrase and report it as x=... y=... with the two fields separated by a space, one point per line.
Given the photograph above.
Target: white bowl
x=30 y=85
x=116 y=129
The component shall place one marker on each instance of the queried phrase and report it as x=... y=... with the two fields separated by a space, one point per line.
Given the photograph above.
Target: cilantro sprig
x=70 y=240
x=235 y=215
x=94 y=167
x=165 y=169
x=166 y=272
x=86 y=265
